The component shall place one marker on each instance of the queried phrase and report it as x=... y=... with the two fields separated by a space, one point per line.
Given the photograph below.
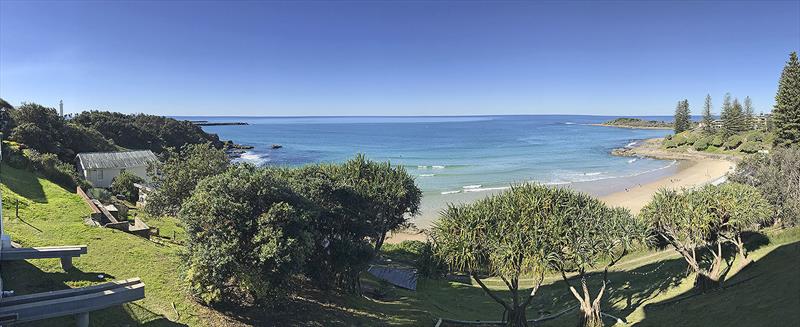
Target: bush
x=692 y=137
x=680 y=139
x=100 y=194
x=428 y=264
x=717 y=141
x=733 y=142
x=124 y=184
x=50 y=167
x=701 y=144
x=750 y=147
x=777 y=176
x=670 y=144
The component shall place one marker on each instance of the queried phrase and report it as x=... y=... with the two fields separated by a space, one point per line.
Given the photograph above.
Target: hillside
x=763 y=294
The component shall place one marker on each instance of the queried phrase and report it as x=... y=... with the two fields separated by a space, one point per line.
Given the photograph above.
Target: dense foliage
x=247 y=236
x=708 y=118
x=530 y=229
x=141 y=131
x=696 y=220
x=42 y=129
x=175 y=177
x=733 y=117
x=124 y=184
x=777 y=176
x=638 y=122
x=46 y=164
x=683 y=120
x=325 y=221
x=786 y=114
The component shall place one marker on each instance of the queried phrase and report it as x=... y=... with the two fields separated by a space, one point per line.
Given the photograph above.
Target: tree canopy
x=786 y=113
x=683 y=120
x=530 y=229
x=708 y=118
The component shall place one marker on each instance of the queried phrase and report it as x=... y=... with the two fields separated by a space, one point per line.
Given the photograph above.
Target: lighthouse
x=61 y=108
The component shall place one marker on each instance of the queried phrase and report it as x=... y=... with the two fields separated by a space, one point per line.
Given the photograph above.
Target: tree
x=777 y=177
x=682 y=117
x=247 y=236
x=737 y=208
x=532 y=228
x=341 y=224
x=786 y=113
x=391 y=190
x=748 y=113
x=5 y=117
x=708 y=118
x=696 y=220
x=733 y=118
x=175 y=178
x=506 y=236
x=124 y=184
x=591 y=235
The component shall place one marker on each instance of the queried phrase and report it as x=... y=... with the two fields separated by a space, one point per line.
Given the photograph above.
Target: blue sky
x=393 y=57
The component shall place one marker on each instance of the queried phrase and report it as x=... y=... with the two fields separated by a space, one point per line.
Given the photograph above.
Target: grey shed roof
x=96 y=160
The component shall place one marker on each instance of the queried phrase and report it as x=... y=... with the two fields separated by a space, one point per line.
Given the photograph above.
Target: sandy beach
x=692 y=170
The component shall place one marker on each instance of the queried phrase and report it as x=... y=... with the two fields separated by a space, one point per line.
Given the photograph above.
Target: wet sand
x=629 y=192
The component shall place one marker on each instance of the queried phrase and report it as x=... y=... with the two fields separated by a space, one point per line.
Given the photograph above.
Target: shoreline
x=691 y=170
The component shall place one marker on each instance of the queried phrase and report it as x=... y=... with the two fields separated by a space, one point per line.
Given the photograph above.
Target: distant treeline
x=638 y=123
x=44 y=130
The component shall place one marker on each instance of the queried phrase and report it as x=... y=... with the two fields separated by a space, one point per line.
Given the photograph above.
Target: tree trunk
x=742 y=255
x=590 y=315
x=516 y=317
x=706 y=281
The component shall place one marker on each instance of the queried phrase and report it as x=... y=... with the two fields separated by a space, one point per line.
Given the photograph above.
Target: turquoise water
x=452 y=155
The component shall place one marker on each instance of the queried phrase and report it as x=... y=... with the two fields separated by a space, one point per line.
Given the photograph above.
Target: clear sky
x=393 y=57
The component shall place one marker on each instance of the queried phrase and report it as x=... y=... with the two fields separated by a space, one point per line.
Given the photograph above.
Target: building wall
x=108 y=174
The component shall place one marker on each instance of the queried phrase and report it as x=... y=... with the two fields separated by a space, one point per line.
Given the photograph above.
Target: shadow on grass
x=25 y=278
x=765 y=293
x=23 y=183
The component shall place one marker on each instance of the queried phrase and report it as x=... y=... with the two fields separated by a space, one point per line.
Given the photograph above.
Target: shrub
x=124 y=184
x=750 y=147
x=680 y=139
x=692 y=137
x=701 y=144
x=100 y=194
x=777 y=176
x=670 y=144
x=733 y=142
x=53 y=169
x=717 y=141
x=428 y=264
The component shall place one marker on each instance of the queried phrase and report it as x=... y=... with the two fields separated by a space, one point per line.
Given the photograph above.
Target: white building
x=99 y=168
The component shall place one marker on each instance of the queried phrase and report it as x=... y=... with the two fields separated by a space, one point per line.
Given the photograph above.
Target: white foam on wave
x=427 y=175
x=253 y=158
x=592 y=174
x=422 y=167
x=467 y=187
x=437 y=167
x=450 y=192
x=569 y=123
x=630 y=145
x=632 y=160
x=484 y=189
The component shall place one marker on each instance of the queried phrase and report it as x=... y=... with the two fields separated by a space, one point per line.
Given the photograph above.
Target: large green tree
x=683 y=120
x=699 y=222
x=247 y=236
x=392 y=194
x=508 y=236
x=176 y=176
x=732 y=116
x=529 y=229
x=786 y=113
x=748 y=111
x=708 y=118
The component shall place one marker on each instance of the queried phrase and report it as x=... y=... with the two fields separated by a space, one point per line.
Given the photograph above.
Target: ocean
x=455 y=159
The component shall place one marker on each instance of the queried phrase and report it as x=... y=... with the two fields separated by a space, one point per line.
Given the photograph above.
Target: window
x=100 y=175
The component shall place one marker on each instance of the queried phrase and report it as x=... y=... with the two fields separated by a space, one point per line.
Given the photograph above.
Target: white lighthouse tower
x=61 y=108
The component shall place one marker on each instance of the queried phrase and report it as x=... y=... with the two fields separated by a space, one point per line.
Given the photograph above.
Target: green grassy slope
x=50 y=215
x=768 y=293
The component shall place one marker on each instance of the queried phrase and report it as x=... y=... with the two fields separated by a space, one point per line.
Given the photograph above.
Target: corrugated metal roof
x=96 y=160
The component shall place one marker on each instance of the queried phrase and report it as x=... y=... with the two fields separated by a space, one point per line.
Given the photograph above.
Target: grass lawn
x=50 y=215
x=642 y=285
